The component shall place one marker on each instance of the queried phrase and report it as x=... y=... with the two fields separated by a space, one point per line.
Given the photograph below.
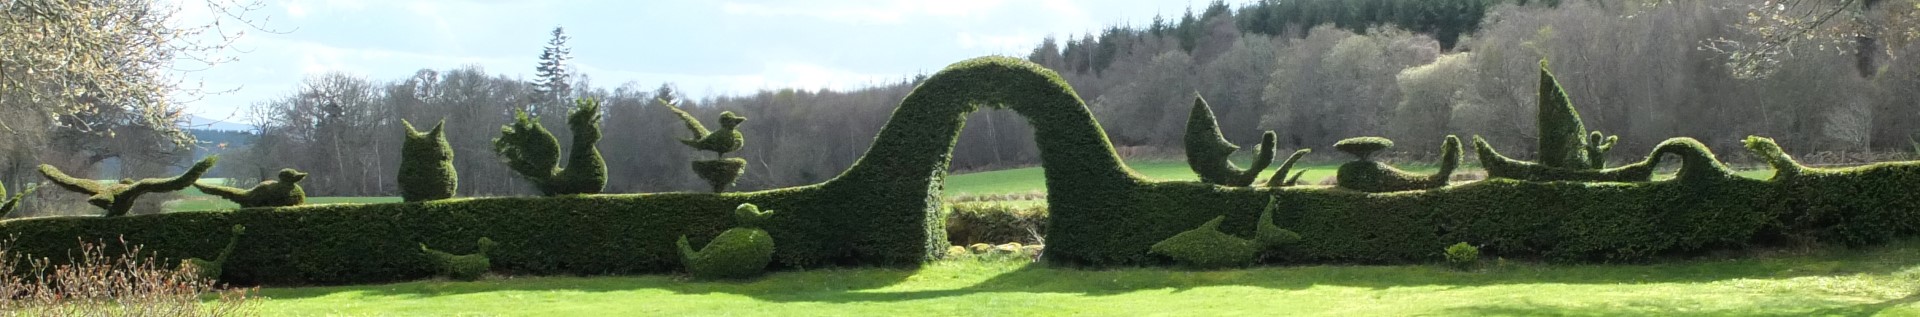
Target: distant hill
x=203 y=123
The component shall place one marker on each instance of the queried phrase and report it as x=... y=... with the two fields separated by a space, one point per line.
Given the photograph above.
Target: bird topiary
x=284 y=191
x=211 y=270
x=1375 y=177
x=741 y=252
x=1208 y=150
x=118 y=198
x=7 y=207
x=533 y=152
x=467 y=267
x=720 y=172
x=426 y=165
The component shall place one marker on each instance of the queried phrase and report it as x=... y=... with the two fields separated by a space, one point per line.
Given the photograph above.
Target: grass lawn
x=1874 y=281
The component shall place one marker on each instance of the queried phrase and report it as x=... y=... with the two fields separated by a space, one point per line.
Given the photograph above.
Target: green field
x=1880 y=280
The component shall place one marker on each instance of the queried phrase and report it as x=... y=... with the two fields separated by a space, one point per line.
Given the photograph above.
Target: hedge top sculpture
x=212 y=269
x=1363 y=147
x=118 y=198
x=1208 y=150
x=1372 y=176
x=14 y=201
x=720 y=142
x=741 y=252
x=284 y=191
x=534 y=153
x=426 y=165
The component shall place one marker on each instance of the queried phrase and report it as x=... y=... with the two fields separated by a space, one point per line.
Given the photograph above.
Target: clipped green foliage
x=720 y=173
x=1855 y=206
x=750 y=216
x=284 y=191
x=1280 y=178
x=990 y=222
x=736 y=253
x=1208 y=150
x=1376 y=177
x=1267 y=234
x=1563 y=138
x=1207 y=248
x=426 y=165
x=118 y=198
x=1363 y=147
x=12 y=202
x=1597 y=146
x=467 y=267
x=1500 y=166
x=534 y=153
x=1463 y=256
x=211 y=269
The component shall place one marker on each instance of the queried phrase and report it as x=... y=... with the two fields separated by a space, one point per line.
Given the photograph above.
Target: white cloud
x=882 y=12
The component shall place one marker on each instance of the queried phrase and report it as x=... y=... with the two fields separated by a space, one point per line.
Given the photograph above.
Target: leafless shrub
x=97 y=282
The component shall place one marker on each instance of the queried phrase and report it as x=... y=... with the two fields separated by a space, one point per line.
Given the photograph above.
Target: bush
x=1208 y=150
x=461 y=267
x=118 y=199
x=426 y=165
x=1562 y=137
x=1369 y=176
x=1463 y=256
x=285 y=191
x=1854 y=206
x=97 y=280
x=720 y=173
x=1207 y=248
x=210 y=270
x=971 y=223
x=532 y=152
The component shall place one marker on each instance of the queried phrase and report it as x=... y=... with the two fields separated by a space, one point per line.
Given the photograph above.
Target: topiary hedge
x=12 y=202
x=426 y=165
x=532 y=152
x=284 y=191
x=118 y=198
x=1370 y=176
x=1208 y=150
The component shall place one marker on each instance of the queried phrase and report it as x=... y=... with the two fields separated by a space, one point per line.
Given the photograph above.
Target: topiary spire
x=1208 y=150
x=534 y=153
x=118 y=199
x=284 y=191
x=426 y=165
x=1563 y=139
x=720 y=172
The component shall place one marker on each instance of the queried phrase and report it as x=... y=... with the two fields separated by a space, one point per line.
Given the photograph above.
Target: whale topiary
x=1372 y=176
x=741 y=252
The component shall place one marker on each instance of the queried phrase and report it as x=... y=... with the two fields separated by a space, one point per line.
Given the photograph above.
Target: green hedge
x=1208 y=150
x=1375 y=177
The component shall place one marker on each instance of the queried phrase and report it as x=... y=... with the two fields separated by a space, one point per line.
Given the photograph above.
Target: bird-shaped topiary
x=426 y=165
x=533 y=152
x=741 y=252
x=461 y=267
x=284 y=191
x=1372 y=176
x=1208 y=150
x=118 y=198
x=7 y=207
x=211 y=270
x=1207 y=248
x=720 y=172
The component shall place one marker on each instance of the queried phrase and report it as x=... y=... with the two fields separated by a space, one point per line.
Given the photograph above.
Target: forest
x=1831 y=78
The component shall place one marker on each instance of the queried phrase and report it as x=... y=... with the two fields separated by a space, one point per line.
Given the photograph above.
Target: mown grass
x=1880 y=280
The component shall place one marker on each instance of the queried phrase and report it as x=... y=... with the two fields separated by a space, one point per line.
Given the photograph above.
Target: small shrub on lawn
x=1463 y=256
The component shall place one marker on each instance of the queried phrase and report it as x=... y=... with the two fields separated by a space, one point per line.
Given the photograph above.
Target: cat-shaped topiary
x=720 y=172
x=461 y=267
x=426 y=165
x=14 y=202
x=533 y=152
x=118 y=198
x=211 y=270
x=740 y=252
x=284 y=191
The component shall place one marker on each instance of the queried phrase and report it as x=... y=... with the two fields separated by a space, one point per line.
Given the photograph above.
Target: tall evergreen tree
x=551 y=83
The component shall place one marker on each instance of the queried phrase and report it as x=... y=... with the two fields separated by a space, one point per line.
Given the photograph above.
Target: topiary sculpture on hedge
x=284 y=191
x=1207 y=248
x=1854 y=206
x=1565 y=145
x=14 y=202
x=1280 y=178
x=118 y=198
x=211 y=270
x=462 y=267
x=1597 y=146
x=720 y=172
x=1208 y=150
x=426 y=165
x=1269 y=235
x=534 y=153
x=1371 y=176
x=741 y=252
x=1501 y=166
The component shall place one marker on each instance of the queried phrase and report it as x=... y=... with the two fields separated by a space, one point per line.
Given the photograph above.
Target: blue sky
x=705 y=47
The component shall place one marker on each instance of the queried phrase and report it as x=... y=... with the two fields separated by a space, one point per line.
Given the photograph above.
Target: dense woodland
x=1314 y=71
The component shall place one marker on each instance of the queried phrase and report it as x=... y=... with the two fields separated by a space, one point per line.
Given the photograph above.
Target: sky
x=706 y=48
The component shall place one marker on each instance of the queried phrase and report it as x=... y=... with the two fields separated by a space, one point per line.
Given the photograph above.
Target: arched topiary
x=12 y=202
x=719 y=172
x=426 y=165
x=462 y=267
x=284 y=191
x=1280 y=179
x=211 y=270
x=1207 y=248
x=1208 y=150
x=117 y=199
x=1855 y=206
x=533 y=152
x=741 y=252
x=1370 y=176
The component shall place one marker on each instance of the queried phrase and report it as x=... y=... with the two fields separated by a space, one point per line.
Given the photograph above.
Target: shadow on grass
x=1641 y=309
x=965 y=278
